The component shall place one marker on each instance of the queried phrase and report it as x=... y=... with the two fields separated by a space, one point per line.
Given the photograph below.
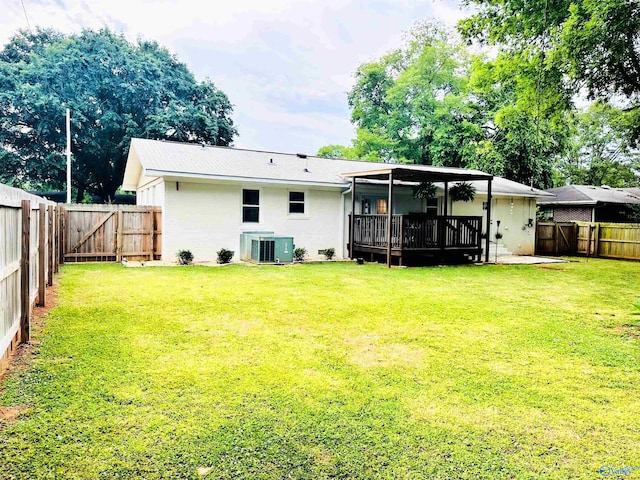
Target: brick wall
x=572 y=214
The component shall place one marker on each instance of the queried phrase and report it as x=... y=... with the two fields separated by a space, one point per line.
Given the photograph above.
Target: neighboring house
x=586 y=203
x=210 y=196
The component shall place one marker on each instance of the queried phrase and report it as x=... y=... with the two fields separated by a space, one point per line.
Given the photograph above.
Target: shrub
x=299 y=254
x=185 y=257
x=329 y=253
x=224 y=255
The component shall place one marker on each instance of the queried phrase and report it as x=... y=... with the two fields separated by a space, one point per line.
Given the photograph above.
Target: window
x=250 y=206
x=296 y=202
x=432 y=206
x=381 y=206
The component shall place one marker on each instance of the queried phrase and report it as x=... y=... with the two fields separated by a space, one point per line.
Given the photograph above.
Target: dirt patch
x=632 y=331
x=9 y=414
x=21 y=360
x=370 y=351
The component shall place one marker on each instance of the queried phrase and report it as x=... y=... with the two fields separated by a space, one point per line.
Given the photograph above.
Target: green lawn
x=332 y=371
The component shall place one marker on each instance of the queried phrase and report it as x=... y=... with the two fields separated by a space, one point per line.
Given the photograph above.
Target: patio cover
x=418 y=174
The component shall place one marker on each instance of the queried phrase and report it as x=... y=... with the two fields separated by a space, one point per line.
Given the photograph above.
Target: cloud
x=286 y=65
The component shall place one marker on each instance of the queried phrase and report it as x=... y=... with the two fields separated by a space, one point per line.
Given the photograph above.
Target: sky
x=286 y=65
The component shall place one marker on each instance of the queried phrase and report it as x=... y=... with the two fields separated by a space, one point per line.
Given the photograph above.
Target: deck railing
x=418 y=231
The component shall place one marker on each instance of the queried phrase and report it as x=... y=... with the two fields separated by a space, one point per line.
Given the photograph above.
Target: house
x=212 y=197
x=586 y=203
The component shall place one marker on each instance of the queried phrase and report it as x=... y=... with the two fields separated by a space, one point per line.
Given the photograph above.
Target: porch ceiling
x=421 y=173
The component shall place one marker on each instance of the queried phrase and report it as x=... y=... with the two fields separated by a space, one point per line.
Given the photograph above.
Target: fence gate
x=554 y=238
x=110 y=233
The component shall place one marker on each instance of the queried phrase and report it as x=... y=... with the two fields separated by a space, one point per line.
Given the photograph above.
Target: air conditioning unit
x=245 y=242
x=272 y=249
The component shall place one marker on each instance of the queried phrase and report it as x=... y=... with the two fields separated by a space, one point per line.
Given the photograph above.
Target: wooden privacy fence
x=607 y=240
x=111 y=233
x=556 y=238
x=28 y=261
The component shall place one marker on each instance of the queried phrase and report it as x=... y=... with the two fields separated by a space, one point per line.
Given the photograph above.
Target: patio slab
x=526 y=260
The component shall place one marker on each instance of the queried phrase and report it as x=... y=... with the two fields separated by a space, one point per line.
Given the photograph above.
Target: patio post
x=442 y=227
x=389 y=218
x=488 y=239
x=352 y=217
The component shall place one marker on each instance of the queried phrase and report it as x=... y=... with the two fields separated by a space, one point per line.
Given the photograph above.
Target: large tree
x=115 y=90
x=600 y=152
x=409 y=106
x=433 y=103
x=593 y=44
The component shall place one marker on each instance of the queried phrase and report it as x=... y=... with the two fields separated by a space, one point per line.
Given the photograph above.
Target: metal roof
x=419 y=173
x=589 y=195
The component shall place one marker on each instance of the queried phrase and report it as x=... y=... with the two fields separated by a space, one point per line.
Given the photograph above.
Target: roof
x=502 y=186
x=632 y=190
x=157 y=158
x=161 y=158
x=590 y=195
x=419 y=173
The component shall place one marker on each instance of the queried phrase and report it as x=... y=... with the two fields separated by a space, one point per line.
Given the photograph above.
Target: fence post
x=596 y=247
x=61 y=235
x=152 y=233
x=119 y=222
x=50 y=246
x=25 y=306
x=42 y=259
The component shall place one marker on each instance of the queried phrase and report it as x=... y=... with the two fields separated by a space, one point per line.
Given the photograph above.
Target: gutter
x=204 y=176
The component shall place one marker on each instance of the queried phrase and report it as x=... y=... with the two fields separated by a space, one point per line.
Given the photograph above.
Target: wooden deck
x=414 y=236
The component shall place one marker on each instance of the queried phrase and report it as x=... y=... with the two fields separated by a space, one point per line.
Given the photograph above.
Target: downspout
x=352 y=219
x=343 y=218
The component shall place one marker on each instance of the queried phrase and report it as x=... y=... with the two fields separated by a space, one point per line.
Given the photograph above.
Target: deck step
x=498 y=249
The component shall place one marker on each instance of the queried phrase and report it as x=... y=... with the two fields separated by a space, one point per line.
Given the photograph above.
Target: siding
x=204 y=217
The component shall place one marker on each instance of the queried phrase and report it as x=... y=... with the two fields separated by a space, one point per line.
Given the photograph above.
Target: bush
x=224 y=255
x=329 y=253
x=185 y=257
x=299 y=254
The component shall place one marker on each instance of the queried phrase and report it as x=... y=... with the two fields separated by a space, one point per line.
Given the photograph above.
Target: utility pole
x=68 y=156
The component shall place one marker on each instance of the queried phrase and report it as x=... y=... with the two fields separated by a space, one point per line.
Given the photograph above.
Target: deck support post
x=442 y=233
x=352 y=217
x=488 y=238
x=389 y=218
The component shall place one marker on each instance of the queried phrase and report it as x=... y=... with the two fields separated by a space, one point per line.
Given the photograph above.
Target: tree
x=116 y=90
x=527 y=125
x=337 y=151
x=591 y=44
x=409 y=106
x=433 y=103
x=601 y=153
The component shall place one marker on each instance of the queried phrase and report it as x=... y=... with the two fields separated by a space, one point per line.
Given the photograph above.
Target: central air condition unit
x=245 y=242
x=272 y=249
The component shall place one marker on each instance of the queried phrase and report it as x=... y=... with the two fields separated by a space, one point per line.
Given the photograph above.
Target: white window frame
x=297 y=202
x=243 y=205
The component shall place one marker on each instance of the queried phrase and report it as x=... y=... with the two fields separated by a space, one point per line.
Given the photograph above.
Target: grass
x=331 y=371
